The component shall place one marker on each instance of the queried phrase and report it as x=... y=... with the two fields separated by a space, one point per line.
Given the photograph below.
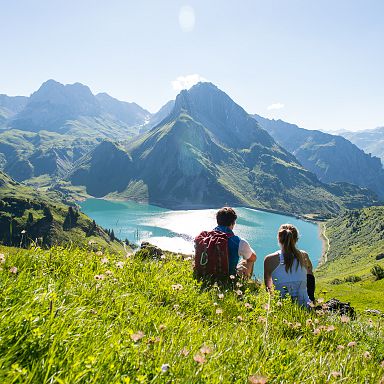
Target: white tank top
x=293 y=282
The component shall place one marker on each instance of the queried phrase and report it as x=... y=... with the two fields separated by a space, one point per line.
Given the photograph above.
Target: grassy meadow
x=78 y=316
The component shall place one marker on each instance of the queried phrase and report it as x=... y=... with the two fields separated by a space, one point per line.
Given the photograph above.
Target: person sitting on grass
x=241 y=256
x=289 y=269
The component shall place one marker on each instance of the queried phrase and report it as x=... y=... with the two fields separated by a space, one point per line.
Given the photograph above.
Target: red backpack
x=212 y=254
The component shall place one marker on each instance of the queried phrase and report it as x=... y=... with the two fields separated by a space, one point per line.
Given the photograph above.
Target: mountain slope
x=370 y=140
x=332 y=158
x=208 y=152
x=28 y=216
x=356 y=239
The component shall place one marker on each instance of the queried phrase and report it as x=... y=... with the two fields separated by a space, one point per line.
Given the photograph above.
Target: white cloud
x=275 y=106
x=186 y=82
x=187 y=18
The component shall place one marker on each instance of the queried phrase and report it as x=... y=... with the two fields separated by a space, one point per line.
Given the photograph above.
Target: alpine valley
x=201 y=150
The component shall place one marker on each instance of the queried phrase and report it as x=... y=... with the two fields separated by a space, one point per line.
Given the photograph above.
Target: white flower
x=120 y=264
x=104 y=260
x=164 y=367
x=2 y=258
x=13 y=270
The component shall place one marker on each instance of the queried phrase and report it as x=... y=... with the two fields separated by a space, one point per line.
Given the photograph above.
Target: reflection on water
x=175 y=230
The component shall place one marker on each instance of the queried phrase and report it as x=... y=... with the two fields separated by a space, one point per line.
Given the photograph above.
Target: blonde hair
x=287 y=237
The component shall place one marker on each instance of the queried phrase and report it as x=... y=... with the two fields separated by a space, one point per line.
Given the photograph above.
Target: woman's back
x=293 y=281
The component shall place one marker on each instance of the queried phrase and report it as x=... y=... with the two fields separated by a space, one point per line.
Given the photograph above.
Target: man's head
x=226 y=216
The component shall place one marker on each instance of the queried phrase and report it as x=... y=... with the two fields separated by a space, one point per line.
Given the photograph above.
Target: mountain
x=59 y=124
x=157 y=117
x=28 y=216
x=370 y=140
x=129 y=113
x=207 y=152
x=332 y=158
x=9 y=106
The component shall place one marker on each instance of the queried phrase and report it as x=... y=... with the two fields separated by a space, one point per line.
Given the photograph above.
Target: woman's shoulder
x=272 y=256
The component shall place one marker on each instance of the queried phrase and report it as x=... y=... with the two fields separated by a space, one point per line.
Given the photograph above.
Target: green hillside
x=31 y=217
x=356 y=238
x=72 y=316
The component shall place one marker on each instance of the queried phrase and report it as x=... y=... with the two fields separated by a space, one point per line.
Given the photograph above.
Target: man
x=241 y=255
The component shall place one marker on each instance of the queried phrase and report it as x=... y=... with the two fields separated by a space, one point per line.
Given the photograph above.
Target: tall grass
x=73 y=316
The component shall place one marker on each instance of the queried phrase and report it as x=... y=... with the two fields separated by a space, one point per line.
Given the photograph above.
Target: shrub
x=352 y=279
x=378 y=272
x=337 y=281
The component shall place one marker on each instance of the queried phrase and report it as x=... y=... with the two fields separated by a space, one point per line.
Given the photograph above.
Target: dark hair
x=288 y=236
x=226 y=216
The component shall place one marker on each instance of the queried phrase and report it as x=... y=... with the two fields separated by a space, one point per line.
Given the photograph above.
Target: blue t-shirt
x=233 y=247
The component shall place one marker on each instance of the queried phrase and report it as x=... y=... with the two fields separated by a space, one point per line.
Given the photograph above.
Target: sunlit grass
x=73 y=316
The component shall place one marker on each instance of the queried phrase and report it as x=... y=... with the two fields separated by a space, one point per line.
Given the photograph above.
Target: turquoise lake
x=175 y=230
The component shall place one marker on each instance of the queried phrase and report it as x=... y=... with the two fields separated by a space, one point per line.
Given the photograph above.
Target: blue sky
x=316 y=63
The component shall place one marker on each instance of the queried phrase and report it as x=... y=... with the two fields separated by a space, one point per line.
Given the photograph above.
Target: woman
x=289 y=269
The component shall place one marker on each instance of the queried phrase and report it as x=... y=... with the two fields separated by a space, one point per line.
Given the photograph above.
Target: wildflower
x=266 y=307
x=184 y=352
x=137 y=336
x=13 y=270
x=340 y=347
x=320 y=300
x=261 y=319
x=2 y=258
x=177 y=287
x=23 y=231
x=220 y=296
x=248 y=306
x=93 y=312
x=99 y=277
x=120 y=264
x=109 y=273
x=320 y=312
x=163 y=257
x=316 y=331
x=239 y=292
x=162 y=327
x=219 y=311
x=239 y=318
x=257 y=379
x=344 y=319
x=297 y=325
x=330 y=328
x=351 y=344
x=205 y=350
x=232 y=277
x=104 y=260
x=285 y=321
x=164 y=368
x=309 y=323
x=99 y=253
x=370 y=322
x=188 y=258
x=90 y=242
x=279 y=304
x=239 y=285
x=366 y=355
x=316 y=321
x=215 y=304
x=199 y=359
x=336 y=374
x=176 y=307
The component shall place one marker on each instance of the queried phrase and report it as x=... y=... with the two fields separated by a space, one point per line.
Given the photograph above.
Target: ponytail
x=287 y=237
